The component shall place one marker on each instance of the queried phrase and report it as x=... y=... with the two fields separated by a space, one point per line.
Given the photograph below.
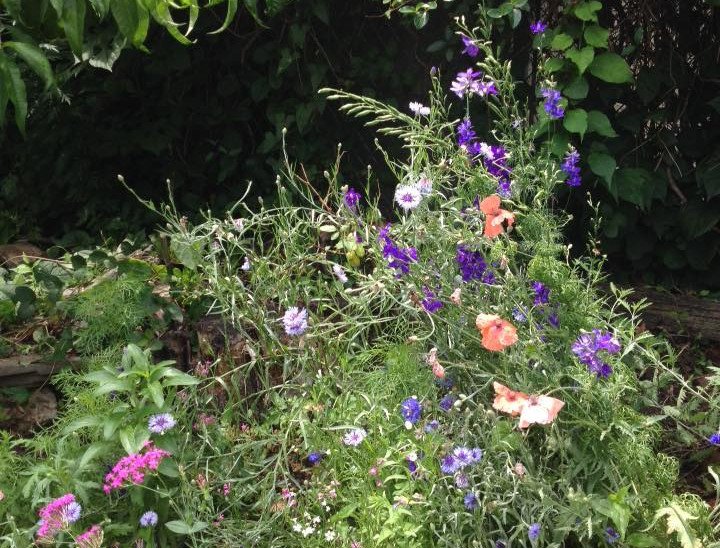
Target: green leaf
x=678 y=522
x=156 y=393
x=182 y=528
x=582 y=58
x=698 y=217
x=4 y=96
x=708 y=175
x=561 y=42
x=577 y=88
x=132 y=19
x=127 y=440
x=600 y=124
x=17 y=94
x=229 y=16
x=555 y=64
x=72 y=19
x=174 y=377
x=635 y=186
x=597 y=36
x=35 y=59
x=188 y=253
x=91 y=452
x=641 y=540
x=82 y=422
x=576 y=121
x=602 y=165
x=612 y=68
x=100 y=7
x=586 y=10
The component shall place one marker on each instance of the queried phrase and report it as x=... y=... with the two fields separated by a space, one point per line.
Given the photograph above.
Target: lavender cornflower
x=552 y=103
x=470 y=501
x=161 y=423
x=71 y=512
x=351 y=198
x=465 y=132
x=463 y=456
x=410 y=410
x=538 y=27
x=340 y=273
x=407 y=197
x=520 y=314
x=315 y=457
x=714 y=439
x=149 y=519
x=534 y=532
x=449 y=465
x=466 y=83
x=447 y=402
x=471 y=50
x=542 y=293
x=611 y=535
x=431 y=426
x=419 y=109
x=430 y=302
x=570 y=166
x=355 y=437
x=461 y=480
x=295 y=321
x=588 y=345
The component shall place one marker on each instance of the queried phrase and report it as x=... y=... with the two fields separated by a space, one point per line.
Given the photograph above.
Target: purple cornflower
x=466 y=83
x=520 y=314
x=470 y=501
x=714 y=439
x=419 y=109
x=410 y=410
x=161 y=423
x=295 y=321
x=552 y=103
x=315 y=457
x=355 y=437
x=430 y=302
x=407 y=197
x=472 y=264
x=587 y=346
x=471 y=49
x=538 y=27
x=570 y=166
x=534 y=532
x=71 y=512
x=465 y=132
x=351 y=198
x=431 y=426
x=340 y=273
x=476 y=454
x=611 y=535
x=447 y=402
x=463 y=456
x=461 y=480
x=448 y=465
x=398 y=259
x=149 y=519
x=542 y=293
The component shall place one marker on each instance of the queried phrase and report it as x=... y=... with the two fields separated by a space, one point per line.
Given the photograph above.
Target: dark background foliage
x=209 y=117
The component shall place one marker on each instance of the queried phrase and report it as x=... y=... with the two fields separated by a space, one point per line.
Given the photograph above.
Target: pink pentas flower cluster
x=57 y=515
x=132 y=469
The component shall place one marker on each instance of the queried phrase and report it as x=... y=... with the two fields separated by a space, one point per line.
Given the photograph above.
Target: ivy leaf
x=599 y=123
x=582 y=58
x=586 y=10
x=612 y=68
x=634 y=185
x=561 y=42
x=708 y=175
x=597 y=36
x=554 y=64
x=577 y=89
x=576 y=121
x=603 y=165
x=678 y=523
x=699 y=217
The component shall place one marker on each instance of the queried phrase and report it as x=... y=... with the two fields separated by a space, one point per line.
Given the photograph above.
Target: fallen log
x=30 y=370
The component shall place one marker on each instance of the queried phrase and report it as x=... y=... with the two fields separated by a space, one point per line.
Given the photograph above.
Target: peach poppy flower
x=495 y=216
x=431 y=359
x=539 y=410
x=455 y=298
x=497 y=334
x=508 y=401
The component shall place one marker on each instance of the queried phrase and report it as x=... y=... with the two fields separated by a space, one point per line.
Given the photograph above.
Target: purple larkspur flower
x=495 y=161
x=295 y=321
x=486 y=89
x=355 y=437
x=471 y=263
x=534 y=532
x=398 y=258
x=466 y=83
x=351 y=198
x=160 y=423
x=520 y=314
x=571 y=168
x=542 y=293
x=449 y=465
x=339 y=272
x=587 y=347
x=471 y=50
x=430 y=302
x=538 y=27
x=410 y=410
x=470 y=501
x=465 y=132
x=714 y=439
x=611 y=535
x=149 y=519
x=552 y=103
x=412 y=466
x=447 y=402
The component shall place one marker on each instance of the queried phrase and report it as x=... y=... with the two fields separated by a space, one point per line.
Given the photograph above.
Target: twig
x=674 y=187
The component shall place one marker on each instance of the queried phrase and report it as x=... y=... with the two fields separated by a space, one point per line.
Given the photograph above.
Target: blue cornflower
x=611 y=535
x=542 y=293
x=431 y=426
x=315 y=457
x=351 y=198
x=149 y=519
x=570 y=166
x=71 y=512
x=161 y=423
x=448 y=465
x=534 y=532
x=410 y=410
x=463 y=456
x=447 y=402
x=538 y=27
x=552 y=103
x=714 y=439
x=470 y=501
x=520 y=314
x=470 y=48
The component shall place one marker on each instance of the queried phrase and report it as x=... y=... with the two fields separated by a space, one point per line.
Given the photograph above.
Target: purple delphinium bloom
x=714 y=439
x=431 y=426
x=542 y=293
x=295 y=321
x=407 y=197
x=447 y=402
x=430 y=302
x=466 y=83
x=570 y=166
x=471 y=49
x=587 y=346
x=470 y=501
x=355 y=437
x=461 y=480
x=611 y=535
x=71 y=512
x=534 y=532
x=465 y=132
x=552 y=103
x=412 y=466
x=161 y=423
x=410 y=410
x=486 y=88
x=553 y=319
x=351 y=198
x=315 y=457
x=149 y=519
x=495 y=161
x=398 y=259
x=472 y=264
x=448 y=465
x=538 y=27
x=520 y=314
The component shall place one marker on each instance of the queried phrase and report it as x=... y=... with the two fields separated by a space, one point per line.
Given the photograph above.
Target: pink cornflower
x=132 y=468
x=92 y=538
x=226 y=489
x=56 y=515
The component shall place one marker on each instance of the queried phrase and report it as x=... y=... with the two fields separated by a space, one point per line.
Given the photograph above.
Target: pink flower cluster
x=132 y=469
x=53 y=516
x=92 y=538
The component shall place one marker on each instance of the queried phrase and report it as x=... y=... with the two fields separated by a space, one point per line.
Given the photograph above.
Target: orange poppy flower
x=497 y=334
x=495 y=216
x=508 y=401
x=539 y=410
